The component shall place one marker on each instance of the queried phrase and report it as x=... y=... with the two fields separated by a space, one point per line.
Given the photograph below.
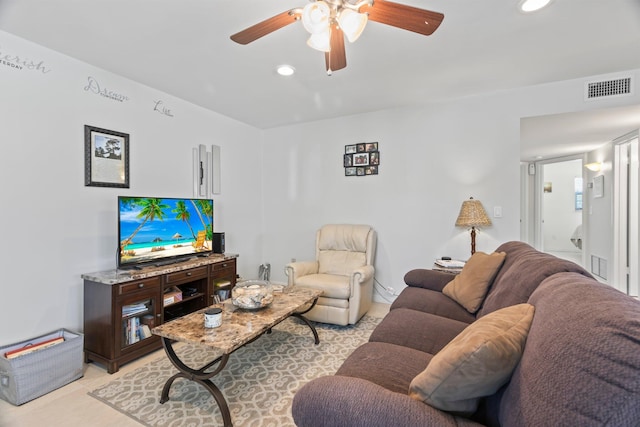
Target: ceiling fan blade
x=402 y=16
x=267 y=26
x=336 y=58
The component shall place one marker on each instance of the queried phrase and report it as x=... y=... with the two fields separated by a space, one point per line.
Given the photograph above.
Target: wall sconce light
x=472 y=214
x=594 y=167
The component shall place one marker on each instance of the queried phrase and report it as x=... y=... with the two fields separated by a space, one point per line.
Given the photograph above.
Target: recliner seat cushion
x=332 y=286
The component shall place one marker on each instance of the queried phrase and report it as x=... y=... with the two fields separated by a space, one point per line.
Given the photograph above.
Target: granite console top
x=117 y=276
x=239 y=326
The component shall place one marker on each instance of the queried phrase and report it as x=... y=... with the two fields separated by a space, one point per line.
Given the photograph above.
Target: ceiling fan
x=329 y=21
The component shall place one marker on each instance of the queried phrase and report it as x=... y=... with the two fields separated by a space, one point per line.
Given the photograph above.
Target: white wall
x=278 y=186
x=599 y=218
x=432 y=158
x=53 y=227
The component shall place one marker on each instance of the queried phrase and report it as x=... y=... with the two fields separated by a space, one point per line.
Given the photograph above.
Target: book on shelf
x=223 y=284
x=131 y=309
x=450 y=263
x=135 y=329
x=30 y=348
x=145 y=332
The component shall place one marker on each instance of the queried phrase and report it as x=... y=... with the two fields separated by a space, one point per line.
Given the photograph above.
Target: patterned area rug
x=259 y=381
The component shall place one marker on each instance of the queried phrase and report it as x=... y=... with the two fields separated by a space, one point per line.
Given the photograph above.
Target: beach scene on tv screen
x=152 y=228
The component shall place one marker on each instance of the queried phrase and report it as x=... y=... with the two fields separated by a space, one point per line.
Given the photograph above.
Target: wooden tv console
x=117 y=303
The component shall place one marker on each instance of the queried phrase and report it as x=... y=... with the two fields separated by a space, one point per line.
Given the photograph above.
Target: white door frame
x=626 y=206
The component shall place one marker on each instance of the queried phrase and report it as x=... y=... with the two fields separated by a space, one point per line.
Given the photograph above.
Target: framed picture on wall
x=361 y=159
x=106 y=158
x=371 y=146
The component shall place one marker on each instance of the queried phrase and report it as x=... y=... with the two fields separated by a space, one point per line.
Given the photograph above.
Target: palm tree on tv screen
x=204 y=207
x=182 y=213
x=151 y=209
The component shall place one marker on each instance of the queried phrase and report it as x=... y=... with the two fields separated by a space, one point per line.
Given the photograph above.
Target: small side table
x=451 y=270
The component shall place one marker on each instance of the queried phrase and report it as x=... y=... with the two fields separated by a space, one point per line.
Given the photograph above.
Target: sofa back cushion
x=581 y=363
x=523 y=270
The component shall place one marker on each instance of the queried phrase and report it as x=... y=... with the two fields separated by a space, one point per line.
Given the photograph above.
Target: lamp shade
x=472 y=214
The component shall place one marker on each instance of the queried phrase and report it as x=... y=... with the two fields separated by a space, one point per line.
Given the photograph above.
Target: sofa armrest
x=354 y=402
x=428 y=279
x=295 y=270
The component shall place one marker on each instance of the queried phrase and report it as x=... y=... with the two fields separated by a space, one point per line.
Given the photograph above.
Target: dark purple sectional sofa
x=580 y=366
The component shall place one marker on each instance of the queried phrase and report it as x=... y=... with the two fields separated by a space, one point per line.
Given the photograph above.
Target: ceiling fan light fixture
x=320 y=41
x=315 y=17
x=352 y=23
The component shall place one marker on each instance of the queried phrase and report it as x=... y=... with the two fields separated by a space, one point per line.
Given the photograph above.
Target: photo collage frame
x=361 y=159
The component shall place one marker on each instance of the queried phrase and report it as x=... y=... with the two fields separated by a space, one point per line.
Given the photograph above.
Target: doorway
x=559 y=196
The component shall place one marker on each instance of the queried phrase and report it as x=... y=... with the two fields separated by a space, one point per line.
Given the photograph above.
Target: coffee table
x=239 y=327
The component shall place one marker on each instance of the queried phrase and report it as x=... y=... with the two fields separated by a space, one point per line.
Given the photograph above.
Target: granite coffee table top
x=239 y=326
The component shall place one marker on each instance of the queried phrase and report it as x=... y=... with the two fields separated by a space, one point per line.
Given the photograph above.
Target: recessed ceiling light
x=532 y=5
x=286 y=70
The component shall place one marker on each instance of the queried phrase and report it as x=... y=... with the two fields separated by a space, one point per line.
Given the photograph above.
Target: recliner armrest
x=362 y=274
x=295 y=270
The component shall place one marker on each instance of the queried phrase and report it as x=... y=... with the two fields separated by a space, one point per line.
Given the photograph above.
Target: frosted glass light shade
x=352 y=23
x=320 y=41
x=315 y=17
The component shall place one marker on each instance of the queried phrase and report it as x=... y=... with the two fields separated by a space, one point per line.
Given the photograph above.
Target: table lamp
x=473 y=215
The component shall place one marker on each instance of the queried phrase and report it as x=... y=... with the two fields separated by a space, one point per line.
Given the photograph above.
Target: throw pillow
x=476 y=363
x=470 y=286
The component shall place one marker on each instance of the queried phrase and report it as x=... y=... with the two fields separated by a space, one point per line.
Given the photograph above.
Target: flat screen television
x=163 y=230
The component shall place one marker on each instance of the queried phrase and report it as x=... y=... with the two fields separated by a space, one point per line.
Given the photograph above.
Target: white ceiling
x=182 y=47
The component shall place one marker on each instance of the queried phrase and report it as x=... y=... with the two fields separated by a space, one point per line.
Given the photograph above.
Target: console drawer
x=187 y=275
x=222 y=265
x=139 y=285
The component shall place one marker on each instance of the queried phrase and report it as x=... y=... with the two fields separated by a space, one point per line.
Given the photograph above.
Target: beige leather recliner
x=343 y=270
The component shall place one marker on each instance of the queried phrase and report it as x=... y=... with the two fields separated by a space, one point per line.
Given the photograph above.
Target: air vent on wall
x=606 y=88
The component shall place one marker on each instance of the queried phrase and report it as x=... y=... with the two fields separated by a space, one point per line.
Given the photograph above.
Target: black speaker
x=218 y=243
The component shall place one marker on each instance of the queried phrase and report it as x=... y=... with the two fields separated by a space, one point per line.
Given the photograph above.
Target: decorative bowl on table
x=252 y=294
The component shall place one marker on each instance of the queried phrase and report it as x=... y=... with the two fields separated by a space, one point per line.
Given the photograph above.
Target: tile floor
x=71 y=406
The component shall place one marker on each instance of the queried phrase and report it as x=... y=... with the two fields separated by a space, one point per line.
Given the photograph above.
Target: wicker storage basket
x=26 y=377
